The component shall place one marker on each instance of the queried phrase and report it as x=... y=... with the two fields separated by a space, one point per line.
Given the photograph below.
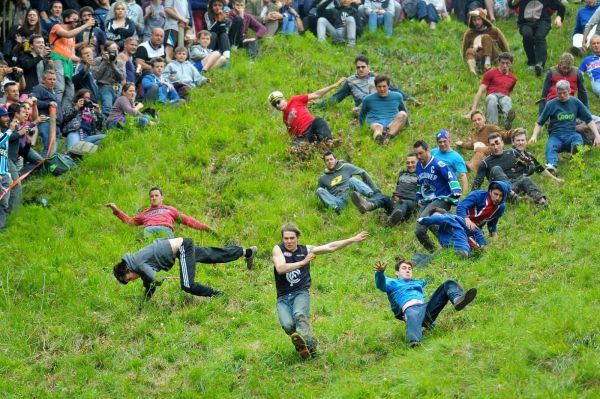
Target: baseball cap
x=274 y=96
x=3 y=111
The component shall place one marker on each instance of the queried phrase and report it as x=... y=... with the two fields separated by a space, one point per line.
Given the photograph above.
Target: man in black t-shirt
x=292 y=279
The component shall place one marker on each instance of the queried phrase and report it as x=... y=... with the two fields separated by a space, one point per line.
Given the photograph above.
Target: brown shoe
x=462 y=301
x=363 y=204
x=300 y=345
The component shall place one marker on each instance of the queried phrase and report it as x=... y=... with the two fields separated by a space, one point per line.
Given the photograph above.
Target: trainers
x=217 y=293
x=250 y=259
x=362 y=203
x=510 y=117
x=462 y=301
x=537 y=68
x=551 y=168
x=414 y=344
x=432 y=25
x=300 y=345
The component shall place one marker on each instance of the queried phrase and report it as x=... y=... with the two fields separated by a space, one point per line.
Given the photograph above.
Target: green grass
x=70 y=330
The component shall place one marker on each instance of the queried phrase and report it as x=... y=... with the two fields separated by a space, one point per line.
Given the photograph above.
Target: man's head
x=156 y=196
x=70 y=19
x=565 y=63
x=362 y=66
x=478 y=119
x=11 y=91
x=595 y=44
x=277 y=100
x=403 y=268
x=290 y=235
x=158 y=66
x=157 y=37
x=496 y=144
x=443 y=140
x=130 y=45
x=56 y=9
x=411 y=162
x=505 y=60
x=181 y=54
x=239 y=6
x=204 y=38
x=422 y=151
x=86 y=13
x=496 y=193
x=49 y=79
x=330 y=160
x=37 y=43
x=123 y=274
x=87 y=54
x=591 y=3
x=562 y=89
x=18 y=111
x=519 y=139
x=111 y=48
x=382 y=84
x=4 y=118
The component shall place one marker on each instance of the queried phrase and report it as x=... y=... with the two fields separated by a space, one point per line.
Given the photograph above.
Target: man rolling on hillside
x=160 y=256
x=159 y=218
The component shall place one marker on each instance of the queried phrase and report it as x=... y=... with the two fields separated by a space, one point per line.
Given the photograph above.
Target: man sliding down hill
x=159 y=218
x=161 y=254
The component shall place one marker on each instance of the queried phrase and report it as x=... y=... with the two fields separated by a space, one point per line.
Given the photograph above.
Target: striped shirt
x=4 y=139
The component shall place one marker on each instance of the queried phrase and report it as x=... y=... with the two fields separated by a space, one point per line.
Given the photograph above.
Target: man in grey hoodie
x=334 y=185
x=161 y=254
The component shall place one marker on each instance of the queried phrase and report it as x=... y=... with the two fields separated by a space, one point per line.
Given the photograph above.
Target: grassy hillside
x=70 y=330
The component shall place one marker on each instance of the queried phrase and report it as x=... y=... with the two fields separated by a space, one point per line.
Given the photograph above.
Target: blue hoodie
x=477 y=201
x=400 y=291
x=453 y=232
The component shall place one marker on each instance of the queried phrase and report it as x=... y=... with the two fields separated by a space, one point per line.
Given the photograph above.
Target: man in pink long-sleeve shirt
x=159 y=218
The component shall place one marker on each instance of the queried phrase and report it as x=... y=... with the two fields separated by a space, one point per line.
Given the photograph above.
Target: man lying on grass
x=407 y=298
x=161 y=254
x=292 y=280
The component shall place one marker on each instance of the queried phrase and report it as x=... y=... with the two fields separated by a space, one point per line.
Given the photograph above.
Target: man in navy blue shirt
x=563 y=112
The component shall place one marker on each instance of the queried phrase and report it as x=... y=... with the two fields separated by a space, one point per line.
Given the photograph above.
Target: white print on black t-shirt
x=293 y=277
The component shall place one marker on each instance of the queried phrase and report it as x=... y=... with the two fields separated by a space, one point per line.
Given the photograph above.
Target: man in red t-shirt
x=299 y=121
x=498 y=83
x=159 y=218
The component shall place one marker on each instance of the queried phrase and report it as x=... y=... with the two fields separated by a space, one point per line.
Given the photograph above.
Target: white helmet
x=276 y=95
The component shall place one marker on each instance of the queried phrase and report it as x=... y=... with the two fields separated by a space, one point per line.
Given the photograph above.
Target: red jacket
x=163 y=215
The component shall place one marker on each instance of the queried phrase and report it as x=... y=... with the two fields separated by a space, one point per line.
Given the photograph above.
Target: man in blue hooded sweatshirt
x=452 y=232
x=481 y=207
x=407 y=298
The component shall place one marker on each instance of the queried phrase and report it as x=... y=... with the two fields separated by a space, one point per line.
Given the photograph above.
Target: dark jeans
x=425 y=314
x=520 y=185
x=427 y=12
x=189 y=254
x=236 y=38
x=534 y=41
x=317 y=131
x=421 y=230
x=219 y=42
x=405 y=207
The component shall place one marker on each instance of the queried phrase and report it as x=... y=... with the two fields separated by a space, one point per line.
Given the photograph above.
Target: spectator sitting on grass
x=182 y=73
x=83 y=120
x=407 y=298
x=126 y=105
x=156 y=86
x=218 y=24
x=159 y=218
x=160 y=256
x=203 y=56
x=299 y=121
x=380 y=12
x=241 y=23
x=338 y=21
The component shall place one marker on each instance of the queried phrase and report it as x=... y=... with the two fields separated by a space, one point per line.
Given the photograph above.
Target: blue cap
x=3 y=111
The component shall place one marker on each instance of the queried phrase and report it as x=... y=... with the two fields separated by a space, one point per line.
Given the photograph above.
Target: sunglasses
x=276 y=102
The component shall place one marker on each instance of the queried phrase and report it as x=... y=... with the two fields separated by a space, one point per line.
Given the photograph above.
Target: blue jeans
x=44 y=132
x=153 y=232
x=421 y=230
x=74 y=137
x=425 y=314
x=288 y=27
x=562 y=143
x=107 y=97
x=596 y=87
x=5 y=182
x=338 y=203
x=427 y=12
x=387 y=20
x=292 y=310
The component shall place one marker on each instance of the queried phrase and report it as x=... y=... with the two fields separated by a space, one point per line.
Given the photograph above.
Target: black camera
x=30 y=131
x=88 y=104
x=16 y=74
x=112 y=56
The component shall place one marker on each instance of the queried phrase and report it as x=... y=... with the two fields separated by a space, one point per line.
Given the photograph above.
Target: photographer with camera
x=34 y=62
x=27 y=136
x=10 y=74
x=62 y=37
x=109 y=73
x=93 y=36
x=83 y=120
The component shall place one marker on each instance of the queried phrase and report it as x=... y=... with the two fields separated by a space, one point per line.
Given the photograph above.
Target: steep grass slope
x=70 y=330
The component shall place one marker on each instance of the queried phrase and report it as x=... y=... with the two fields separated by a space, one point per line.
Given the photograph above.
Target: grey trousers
x=495 y=102
x=343 y=34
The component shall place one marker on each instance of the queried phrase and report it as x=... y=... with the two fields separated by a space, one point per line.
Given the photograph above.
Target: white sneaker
x=551 y=168
x=432 y=25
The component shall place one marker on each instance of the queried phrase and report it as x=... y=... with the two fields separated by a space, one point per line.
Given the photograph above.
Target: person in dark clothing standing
x=292 y=279
x=161 y=254
x=534 y=26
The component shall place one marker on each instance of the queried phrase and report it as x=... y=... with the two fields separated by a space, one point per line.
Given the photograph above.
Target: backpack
x=83 y=148
x=59 y=164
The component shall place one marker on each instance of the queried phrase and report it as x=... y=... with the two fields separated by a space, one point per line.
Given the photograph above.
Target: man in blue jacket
x=482 y=207
x=452 y=232
x=407 y=298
